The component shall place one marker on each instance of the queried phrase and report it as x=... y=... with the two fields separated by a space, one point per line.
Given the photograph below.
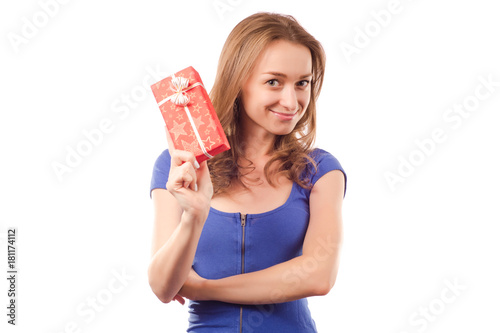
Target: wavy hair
x=238 y=57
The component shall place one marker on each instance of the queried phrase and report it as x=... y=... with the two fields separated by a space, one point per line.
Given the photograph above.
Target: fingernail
x=196 y=187
x=196 y=164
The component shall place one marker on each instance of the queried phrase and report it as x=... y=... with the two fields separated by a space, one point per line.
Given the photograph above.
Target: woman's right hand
x=189 y=182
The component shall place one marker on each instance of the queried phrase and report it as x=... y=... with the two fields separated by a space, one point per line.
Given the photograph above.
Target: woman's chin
x=282 y=131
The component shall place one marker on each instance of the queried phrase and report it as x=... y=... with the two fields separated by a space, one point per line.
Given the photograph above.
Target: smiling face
x=277 y=93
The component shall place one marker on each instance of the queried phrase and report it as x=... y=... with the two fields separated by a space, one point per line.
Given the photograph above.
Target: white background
x=402 y=244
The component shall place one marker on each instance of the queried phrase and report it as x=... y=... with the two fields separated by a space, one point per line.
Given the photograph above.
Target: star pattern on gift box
x=164 y=95
x=197 y=108
x=173 y=106
x=178 y=129
x=212 y=124
x=192 y=95
x=190 y=146
x=208 y=143
x=180 y=117
x=198 y=121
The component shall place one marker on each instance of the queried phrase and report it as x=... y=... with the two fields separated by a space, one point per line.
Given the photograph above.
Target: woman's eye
x=273 y=82
x=303 y=83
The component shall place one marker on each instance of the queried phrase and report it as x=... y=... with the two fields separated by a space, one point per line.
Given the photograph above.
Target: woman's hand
x=179 y=299
x=193 y=287
x=189 y=182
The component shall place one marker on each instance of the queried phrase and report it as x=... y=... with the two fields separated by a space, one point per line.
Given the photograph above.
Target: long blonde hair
x=238 y=57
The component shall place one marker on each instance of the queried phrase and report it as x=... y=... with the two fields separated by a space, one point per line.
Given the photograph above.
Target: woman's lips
x=284 y=116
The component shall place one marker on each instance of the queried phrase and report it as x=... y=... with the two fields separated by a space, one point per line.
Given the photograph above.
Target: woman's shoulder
x=165 y=155
x=325 y=162
x=319 y=155
x=161 y=170
x=163 y=160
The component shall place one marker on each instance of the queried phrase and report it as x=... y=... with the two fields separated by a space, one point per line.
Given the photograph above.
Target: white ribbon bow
x=179 y=85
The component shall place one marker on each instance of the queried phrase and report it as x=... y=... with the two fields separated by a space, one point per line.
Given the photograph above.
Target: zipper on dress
x=243 y=219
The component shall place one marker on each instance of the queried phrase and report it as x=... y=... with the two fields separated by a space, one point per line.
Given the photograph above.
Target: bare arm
x=179 y=215
x=311 y=274
x=175 y=238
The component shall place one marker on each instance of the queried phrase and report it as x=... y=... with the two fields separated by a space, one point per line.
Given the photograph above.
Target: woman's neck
x=257 y=145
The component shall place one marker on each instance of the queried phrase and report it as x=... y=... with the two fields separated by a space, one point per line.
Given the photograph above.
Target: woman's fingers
x=185 y=172
x=192 y=188
x=179 y=299
x=182 y=170
x=183 y=176
x=179 y=157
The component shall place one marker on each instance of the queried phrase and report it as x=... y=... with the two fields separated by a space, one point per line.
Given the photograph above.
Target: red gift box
x=189 y=114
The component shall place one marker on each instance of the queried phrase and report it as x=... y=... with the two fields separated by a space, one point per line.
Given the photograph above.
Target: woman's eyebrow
x=284 y=75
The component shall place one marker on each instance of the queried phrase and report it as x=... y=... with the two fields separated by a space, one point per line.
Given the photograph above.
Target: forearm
x=297 y=278
x=170 y=266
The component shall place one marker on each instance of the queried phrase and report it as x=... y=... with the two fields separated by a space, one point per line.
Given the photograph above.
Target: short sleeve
x=326 y=162
x=161 y=170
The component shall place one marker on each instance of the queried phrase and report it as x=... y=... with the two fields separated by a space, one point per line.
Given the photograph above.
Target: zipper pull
x=243 y=218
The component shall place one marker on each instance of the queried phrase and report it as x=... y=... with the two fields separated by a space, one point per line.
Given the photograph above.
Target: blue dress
x=236 y=243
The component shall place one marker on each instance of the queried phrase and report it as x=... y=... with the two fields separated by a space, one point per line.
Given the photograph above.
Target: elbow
x=162 y=298
x=323 y=286
x=160 y=295
x=323 y=289
x=158 y=288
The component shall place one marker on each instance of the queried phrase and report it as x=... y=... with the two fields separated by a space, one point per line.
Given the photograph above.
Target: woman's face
x=278 y=91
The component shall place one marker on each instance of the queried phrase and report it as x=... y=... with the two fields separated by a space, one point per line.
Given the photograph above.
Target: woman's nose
x=289 y=98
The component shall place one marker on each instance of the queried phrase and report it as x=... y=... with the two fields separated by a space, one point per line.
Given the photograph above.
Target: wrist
x=206 y=290
x=194 y=217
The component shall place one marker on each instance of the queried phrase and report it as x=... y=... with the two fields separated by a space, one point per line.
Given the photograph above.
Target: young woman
x=251 y=233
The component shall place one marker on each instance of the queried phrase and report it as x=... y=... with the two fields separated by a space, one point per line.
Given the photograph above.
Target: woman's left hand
x=179 y=299
x=193 y=287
